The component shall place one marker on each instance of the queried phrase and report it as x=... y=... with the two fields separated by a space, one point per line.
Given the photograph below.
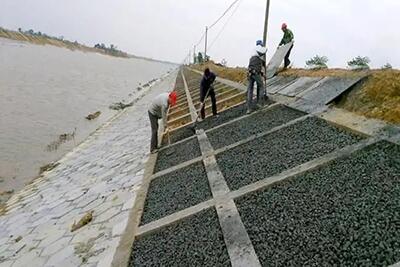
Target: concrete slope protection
x=276 y=187
x=276 y=60
x=101 y=176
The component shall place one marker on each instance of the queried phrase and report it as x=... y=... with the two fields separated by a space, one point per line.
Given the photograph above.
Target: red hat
x=172 y=97
x=284 y=26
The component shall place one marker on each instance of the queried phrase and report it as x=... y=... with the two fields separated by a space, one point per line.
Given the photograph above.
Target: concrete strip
x=192 y=109
x=173 y=218
x=176 y=167
x=251 y=138
x=395 y=265
x=240 y=249
x=308 y=166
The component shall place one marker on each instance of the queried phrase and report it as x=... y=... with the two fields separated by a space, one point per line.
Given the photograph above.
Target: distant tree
x=206 y=58
x=113 y=47
x=31 y=32
x=317 y=62
x=359 y=63
x=200 y=58
x=39 y=33
x=20 y=29
x=387 y=66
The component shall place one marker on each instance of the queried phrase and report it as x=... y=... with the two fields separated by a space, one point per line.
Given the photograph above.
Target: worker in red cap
x=158 y=110
x=287 y=38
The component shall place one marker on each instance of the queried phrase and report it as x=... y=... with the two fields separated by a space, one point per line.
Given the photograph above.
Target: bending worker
x=158 y=110
x=254 y=75
x=206 y=89
x=287 y=38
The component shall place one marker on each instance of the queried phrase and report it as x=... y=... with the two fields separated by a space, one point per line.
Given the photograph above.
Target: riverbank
x=48 y=93
x=378 y=97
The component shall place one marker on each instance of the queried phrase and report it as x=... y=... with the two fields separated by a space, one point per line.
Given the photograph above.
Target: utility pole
x=194 y=54
x=266 y=23
x=205 y=46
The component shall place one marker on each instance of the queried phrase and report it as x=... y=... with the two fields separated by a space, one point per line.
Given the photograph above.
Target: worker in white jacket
x=158 y=110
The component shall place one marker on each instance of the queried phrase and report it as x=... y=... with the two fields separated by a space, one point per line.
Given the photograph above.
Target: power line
x=223 y=14
x=223 y=27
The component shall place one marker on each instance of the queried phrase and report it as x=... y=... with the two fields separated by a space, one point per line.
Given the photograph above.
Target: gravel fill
x=195 y=241
x=176 y=191
x=223 y=117
x=179 y=135
x=177 y=154
x=256 y=123
x=346 y=213
x=281 y=150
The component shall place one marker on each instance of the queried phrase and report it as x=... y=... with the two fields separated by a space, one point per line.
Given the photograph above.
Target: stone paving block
x=6 y=263
x=107 y=214
x=62 y=257
x=254 y=124
x=30 y=259
x=120 y=228
x=345 y=213
x=177 y=154
x=56 y=235
x=194 y=241
x=176 y=191
x=56 y=246
x=330 y=88
x=281 y=150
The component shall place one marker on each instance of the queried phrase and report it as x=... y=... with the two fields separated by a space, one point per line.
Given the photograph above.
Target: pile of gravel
x=177 y=154
x=195 y=241
x=281 y=150
x=176 y=191
x=256 y=123
x=223 y=117
x=346 y=213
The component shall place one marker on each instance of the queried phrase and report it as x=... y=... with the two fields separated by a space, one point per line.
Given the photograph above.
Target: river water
x=47 y=91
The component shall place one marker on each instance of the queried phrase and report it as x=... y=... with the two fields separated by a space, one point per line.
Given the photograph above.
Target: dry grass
x=378 y=97
x=323 y=73
x=234 y=74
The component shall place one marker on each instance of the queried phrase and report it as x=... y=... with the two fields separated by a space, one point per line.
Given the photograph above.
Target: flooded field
x=47 y=92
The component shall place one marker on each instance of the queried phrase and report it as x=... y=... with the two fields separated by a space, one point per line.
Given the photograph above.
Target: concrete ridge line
x=305 y=167
x=255 y=136
x=395 y=265
x=124 y=249
x=176 y=167
x=192 y=109
x=173 y=218
x=242 y=117
x=240 y=249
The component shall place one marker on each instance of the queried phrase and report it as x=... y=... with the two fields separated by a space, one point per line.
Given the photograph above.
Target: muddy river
x=45 y=94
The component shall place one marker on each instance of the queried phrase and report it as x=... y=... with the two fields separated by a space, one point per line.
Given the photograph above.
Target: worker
x=158 y=110
x=207 y=89
x=260 y=47
x=254 y=75
x=287 y=38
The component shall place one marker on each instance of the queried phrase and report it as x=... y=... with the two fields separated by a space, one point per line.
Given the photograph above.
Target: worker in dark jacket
x=287 y=38
x=206 y=89
x=254 y=75
x=158 y=110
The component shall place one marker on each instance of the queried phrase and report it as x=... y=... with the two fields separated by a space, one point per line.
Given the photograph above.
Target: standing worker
x=254 y=75
x=158 y=110
x=287 y=38
x=206 y=89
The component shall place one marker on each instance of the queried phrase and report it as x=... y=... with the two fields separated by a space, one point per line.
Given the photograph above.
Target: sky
x=169 y=29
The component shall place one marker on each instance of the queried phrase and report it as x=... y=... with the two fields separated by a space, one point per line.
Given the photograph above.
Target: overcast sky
x=167 y=29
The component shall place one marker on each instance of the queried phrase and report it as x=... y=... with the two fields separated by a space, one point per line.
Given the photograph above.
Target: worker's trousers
x=211 y=94
x=287 y=61
x=154 y=131
x=261 y=93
